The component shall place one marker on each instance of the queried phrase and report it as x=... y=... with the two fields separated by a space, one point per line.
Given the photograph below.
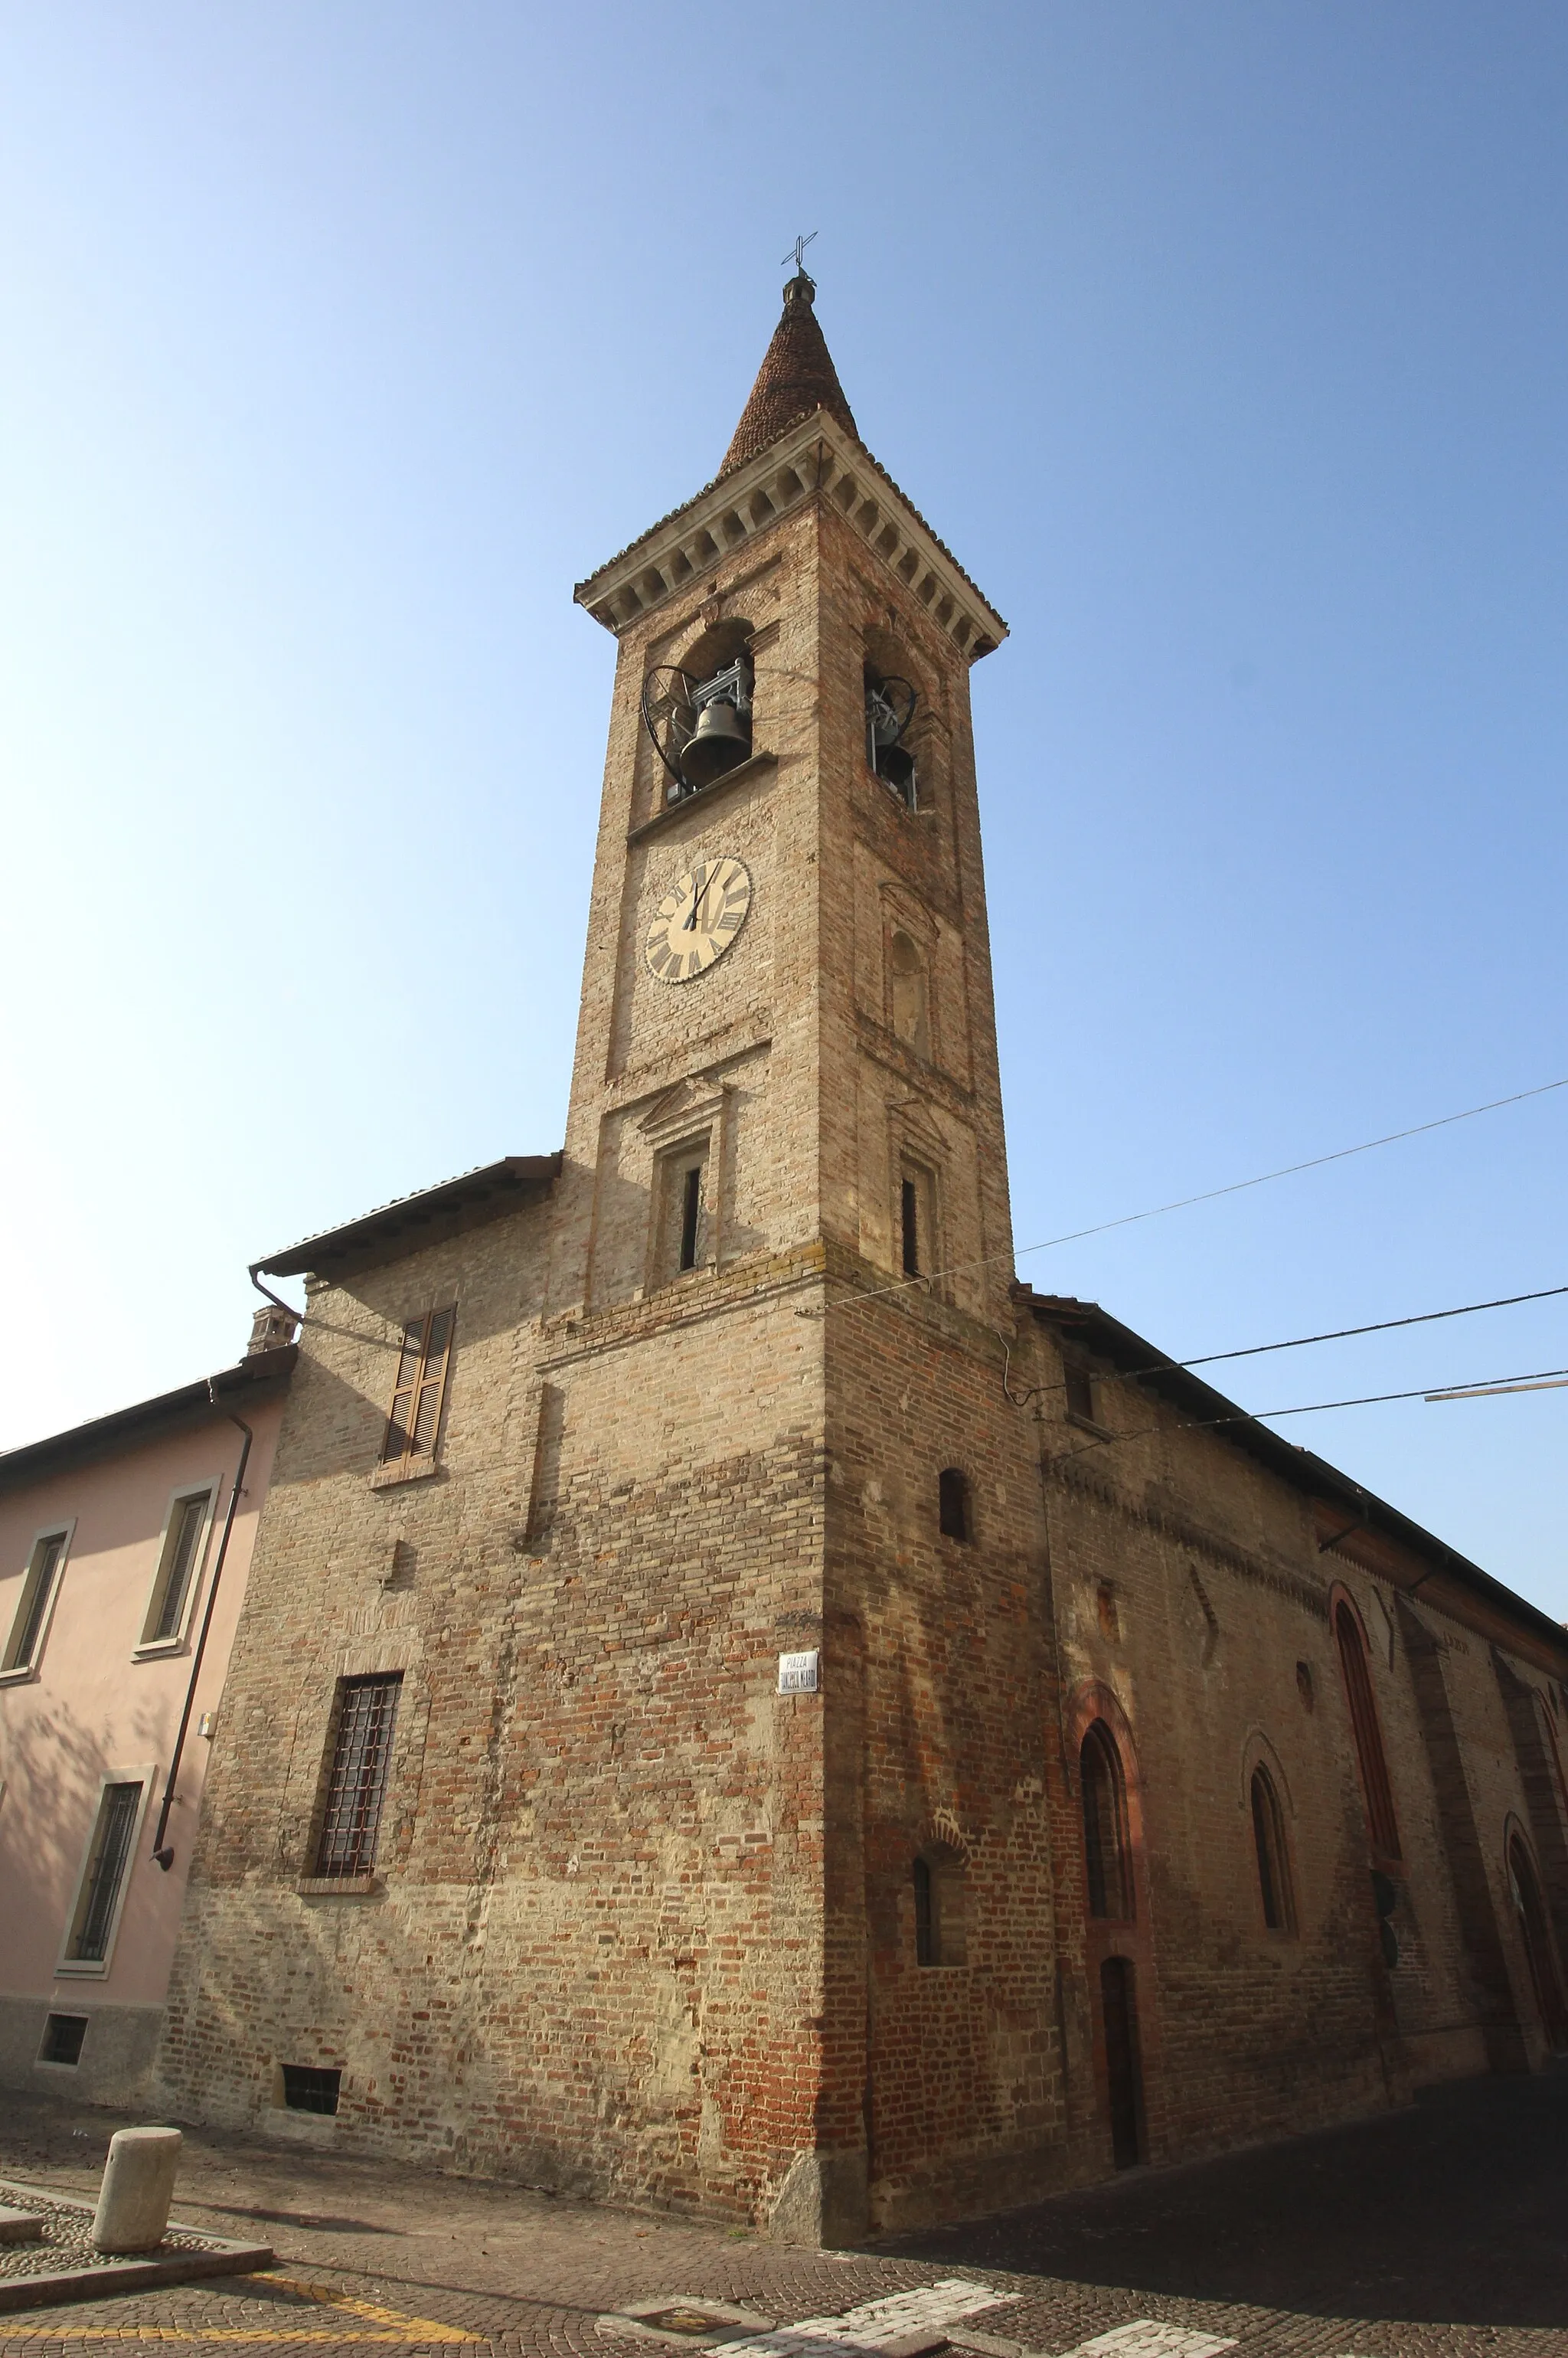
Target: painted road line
x=395 y=2326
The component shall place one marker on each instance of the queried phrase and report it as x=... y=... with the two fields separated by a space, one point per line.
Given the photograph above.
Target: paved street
x=1444 y=2230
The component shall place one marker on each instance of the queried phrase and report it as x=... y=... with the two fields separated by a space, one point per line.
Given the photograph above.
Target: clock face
x=698 y=919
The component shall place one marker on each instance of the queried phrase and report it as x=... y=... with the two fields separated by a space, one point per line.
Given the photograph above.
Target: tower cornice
x=816 y=459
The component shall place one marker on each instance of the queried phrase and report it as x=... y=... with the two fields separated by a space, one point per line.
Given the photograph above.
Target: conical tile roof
x=797 y=376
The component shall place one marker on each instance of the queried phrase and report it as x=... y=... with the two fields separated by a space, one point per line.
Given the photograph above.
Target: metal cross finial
x=798 y=255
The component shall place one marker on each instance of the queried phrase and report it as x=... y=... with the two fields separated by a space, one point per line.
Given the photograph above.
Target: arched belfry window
x=1381 y=1825
x=1105 y=1826
x=698 y=713
x=890 y=708
x=1273 y=1858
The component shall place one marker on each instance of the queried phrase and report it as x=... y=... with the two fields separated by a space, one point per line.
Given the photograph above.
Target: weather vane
x=798 y=255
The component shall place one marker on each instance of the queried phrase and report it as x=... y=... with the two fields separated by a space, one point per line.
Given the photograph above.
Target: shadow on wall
x=1449 y=2213
x=54 y=1767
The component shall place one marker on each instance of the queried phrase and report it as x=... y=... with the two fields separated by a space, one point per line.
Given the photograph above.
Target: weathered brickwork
x=637 y=1921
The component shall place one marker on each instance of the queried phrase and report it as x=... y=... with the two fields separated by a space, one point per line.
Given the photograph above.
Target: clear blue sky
x=1225 y=340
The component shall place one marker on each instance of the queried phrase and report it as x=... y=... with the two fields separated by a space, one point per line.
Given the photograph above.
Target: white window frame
x=153 y=1648
x=66 y=1531
x=96 y=1969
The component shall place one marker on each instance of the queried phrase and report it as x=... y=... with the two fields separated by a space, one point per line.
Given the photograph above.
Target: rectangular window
x=98 y=1901
x=683 y=1231
x=1079 y=1385
x=691 y=1206
x=356 y=1782
x=178 y=1565
x=25 y=1641
x=307 y=2088
x=909 y=1213
x=416 y=1418
x=63 y=2035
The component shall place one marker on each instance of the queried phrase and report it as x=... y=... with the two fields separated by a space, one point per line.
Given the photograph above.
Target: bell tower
x=787 y=983
x=783 y=1215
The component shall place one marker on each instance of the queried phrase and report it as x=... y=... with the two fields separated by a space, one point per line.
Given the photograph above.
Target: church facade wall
x=1194 y=1601
x=591 y=1951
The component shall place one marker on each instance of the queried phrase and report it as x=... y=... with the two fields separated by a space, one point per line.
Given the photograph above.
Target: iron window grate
x=63 y=2035
x=111 y=1853
x=356 y=1786
x=307 y=2088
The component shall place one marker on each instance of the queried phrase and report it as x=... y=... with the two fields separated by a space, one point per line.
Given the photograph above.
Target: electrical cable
x=1333 y=1334
x=1545 y=1378
x=1184 y=1203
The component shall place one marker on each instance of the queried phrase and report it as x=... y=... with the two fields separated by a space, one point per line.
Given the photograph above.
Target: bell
x=720 y=743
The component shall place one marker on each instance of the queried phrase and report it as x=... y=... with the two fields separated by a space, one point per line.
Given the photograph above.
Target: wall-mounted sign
x=797 y=1674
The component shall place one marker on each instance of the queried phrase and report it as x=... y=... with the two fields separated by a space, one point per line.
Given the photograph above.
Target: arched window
x=1381 y=1825
x=939 y=1909
x=890 y=708
x=1105 y=1826
x=1273 y=1859
x=908 y=993
x=953 y=1504
x=1537 y=1938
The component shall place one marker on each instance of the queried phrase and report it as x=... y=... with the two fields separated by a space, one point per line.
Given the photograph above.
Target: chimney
x=271 y=1329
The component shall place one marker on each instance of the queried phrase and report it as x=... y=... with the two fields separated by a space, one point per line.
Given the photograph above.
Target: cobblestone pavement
x=1441 y=2231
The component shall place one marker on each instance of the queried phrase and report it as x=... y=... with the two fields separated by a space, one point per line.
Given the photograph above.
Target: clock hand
x=698 y=898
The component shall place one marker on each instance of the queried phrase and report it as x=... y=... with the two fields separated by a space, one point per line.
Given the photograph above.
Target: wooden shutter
x=416 y=1418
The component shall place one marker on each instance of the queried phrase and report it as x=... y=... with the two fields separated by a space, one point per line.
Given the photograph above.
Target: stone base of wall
x=116 y=2054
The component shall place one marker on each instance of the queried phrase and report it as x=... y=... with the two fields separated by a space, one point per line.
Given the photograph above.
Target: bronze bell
x=720 y=742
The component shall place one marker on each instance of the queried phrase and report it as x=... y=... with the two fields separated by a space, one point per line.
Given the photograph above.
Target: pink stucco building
x=124 y=1552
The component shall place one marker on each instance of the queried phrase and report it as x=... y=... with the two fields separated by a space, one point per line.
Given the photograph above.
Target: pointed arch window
x=1382 y=1825
x=1106 y=1851
x=1273 y=1858
x=1537 y=1938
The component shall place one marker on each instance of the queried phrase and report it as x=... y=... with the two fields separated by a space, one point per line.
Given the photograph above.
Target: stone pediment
x=685 y=1107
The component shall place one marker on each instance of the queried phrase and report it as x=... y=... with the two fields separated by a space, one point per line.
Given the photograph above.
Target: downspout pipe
x=163 y=1851
x=278 y=1298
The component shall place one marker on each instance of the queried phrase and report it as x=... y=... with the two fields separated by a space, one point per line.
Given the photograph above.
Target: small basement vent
x=63 y=2035
x=308 y=2089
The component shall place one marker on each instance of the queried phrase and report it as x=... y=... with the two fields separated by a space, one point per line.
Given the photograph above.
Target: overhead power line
x=1542 y=1376
x=1485 y=1387
x=1332 y=1334
x=1208 y=1195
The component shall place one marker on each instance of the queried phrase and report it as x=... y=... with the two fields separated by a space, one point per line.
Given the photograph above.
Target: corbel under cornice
x=816 y=459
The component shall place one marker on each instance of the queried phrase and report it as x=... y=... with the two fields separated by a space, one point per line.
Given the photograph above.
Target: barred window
x=98 y=1902
x=416 y=1418
x=356 y=1782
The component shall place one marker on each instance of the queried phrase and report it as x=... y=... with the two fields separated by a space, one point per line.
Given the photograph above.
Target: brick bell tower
x=787 y=940
x=785 y=1172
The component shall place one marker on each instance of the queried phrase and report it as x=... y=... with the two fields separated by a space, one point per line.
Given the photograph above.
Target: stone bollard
x=137 y=2189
